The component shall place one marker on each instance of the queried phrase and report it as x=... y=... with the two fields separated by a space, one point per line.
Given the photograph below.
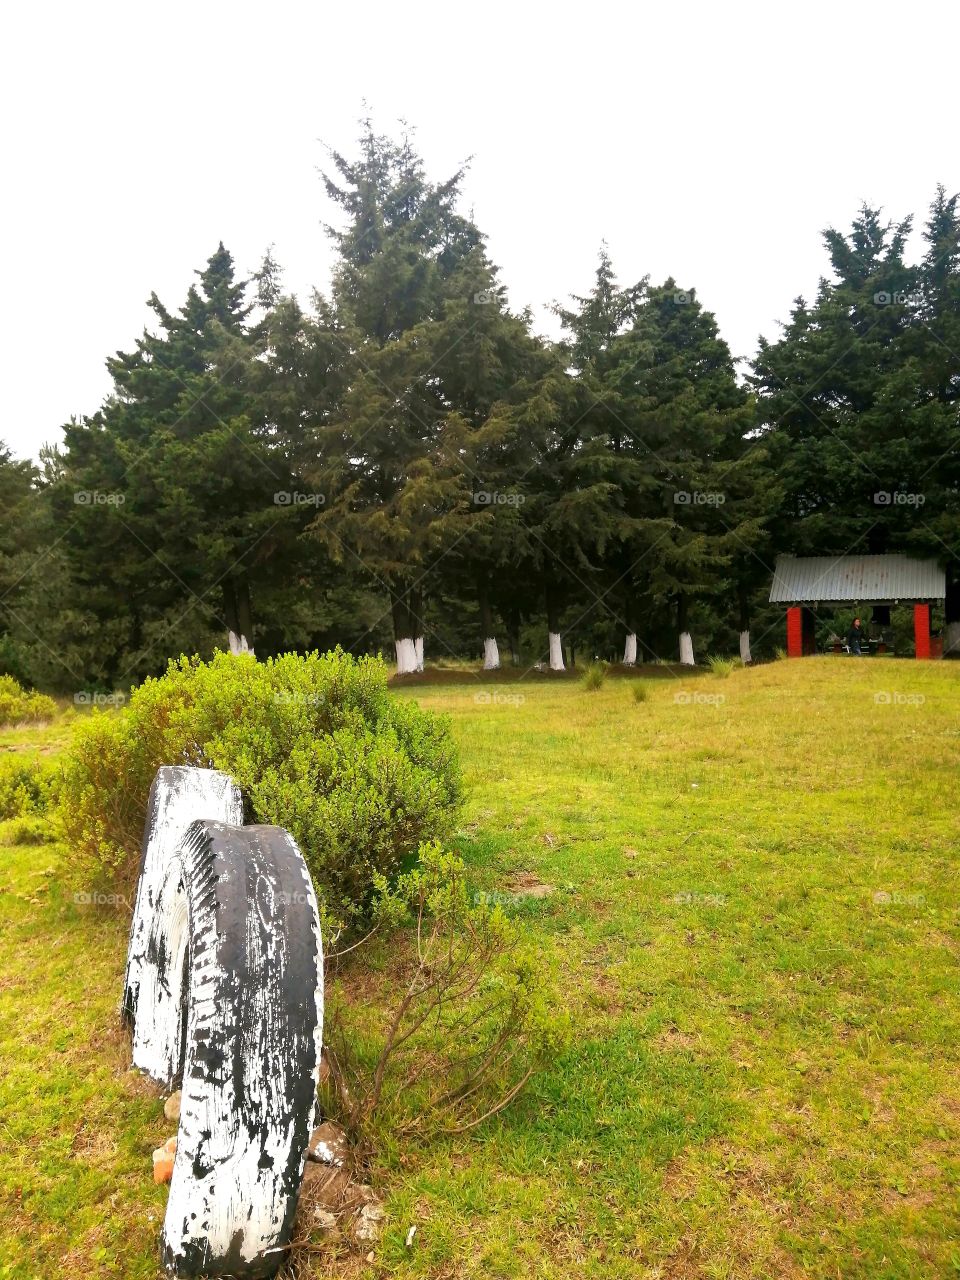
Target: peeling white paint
x=179 y=795
x=491 y=655
x=686 y=649
x=745 y=657
x=418 y=646
x=406 y=656
x=249 y=1076
x=630 y=650
x=239 y=644
x=556 y=652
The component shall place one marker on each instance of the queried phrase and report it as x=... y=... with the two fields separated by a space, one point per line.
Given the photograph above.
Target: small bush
x=27 y=788
x=594 y=677
x=463 y=1013
x=641 y=693
x=316 y=743
x=722 y=667
x=29 y=830
x=20 y=706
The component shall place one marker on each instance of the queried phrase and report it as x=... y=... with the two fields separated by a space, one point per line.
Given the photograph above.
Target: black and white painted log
x=179 y=795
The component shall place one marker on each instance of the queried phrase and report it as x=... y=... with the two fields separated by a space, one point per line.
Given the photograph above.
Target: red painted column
x=794 y=632
x=921 y=629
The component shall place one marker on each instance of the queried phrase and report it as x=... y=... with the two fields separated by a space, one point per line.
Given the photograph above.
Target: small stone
x=163 y=1159
x=370 y=1222
x=328 y=1144
x=323 y=1220
x=171 y=1108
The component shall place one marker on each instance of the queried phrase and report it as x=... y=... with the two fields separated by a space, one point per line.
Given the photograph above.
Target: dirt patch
x=525 y=884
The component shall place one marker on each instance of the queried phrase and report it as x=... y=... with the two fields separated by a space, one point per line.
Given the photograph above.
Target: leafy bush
x=641 y=693
x=722 y=666
x=20 y=706
x=464 y=1013
x=594 y=677
x=317 y=744
x=27 y=787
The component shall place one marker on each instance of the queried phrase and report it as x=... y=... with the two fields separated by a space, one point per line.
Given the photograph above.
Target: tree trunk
x=686 y=640
x=236 y=609
x=491 y=653
x=553 y=627
x=513 y=634
x=630 y=644
x=745 y=656
x=403 y=631
x=416 y=595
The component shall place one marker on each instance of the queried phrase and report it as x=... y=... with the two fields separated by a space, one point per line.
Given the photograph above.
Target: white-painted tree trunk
x=491 y=655
x=239 y=644
x=686 y=649
x=418 y=647
x=745 y=657
x=951 y=638
x=406 y=656
x=630 y=650
x=556 y=652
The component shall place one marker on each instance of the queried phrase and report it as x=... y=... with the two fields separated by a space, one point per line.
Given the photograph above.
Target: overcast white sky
x=707 y=141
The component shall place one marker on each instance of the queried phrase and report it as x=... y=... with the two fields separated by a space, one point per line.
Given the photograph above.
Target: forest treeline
x=406 y=459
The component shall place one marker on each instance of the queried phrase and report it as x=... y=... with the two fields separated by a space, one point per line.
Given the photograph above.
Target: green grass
x=759 y=945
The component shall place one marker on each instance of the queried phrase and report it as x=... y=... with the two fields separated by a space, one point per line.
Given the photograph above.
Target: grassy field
x=755 y=913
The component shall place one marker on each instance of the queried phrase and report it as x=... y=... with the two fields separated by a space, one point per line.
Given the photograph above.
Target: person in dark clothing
x=855 y=638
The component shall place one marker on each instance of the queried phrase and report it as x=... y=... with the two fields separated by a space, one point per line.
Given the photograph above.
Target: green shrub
x=594 y=677
x=722 y=666
x=29 y=830
x=20 y=706
x=465 y=1009
x=27 y=787
x=317 y=744
x=641 y=693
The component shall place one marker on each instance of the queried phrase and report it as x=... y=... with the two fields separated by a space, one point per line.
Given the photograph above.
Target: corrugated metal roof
x=810 y=579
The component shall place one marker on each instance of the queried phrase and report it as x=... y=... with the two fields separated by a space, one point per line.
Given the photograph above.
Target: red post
x=795 y=632
x=921 y=629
